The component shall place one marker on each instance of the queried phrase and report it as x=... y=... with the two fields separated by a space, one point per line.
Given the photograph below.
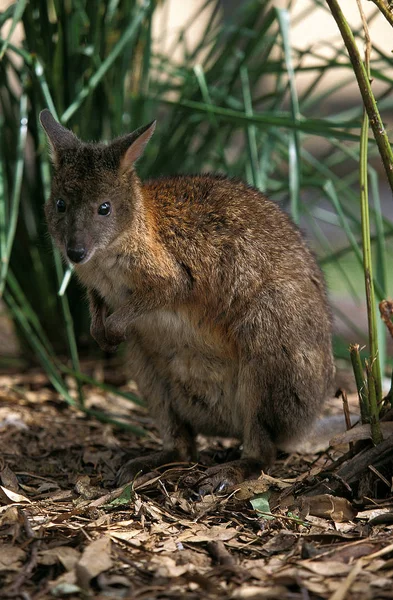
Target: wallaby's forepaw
x=108 y=347
x=113 y=334
x=99 y=335
x=222 y=478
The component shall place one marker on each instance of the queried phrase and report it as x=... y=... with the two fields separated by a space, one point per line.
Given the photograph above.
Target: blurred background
x=256 y=89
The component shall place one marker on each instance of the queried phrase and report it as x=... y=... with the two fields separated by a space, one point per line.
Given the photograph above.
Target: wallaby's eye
x=61 y=206
x=104 y=209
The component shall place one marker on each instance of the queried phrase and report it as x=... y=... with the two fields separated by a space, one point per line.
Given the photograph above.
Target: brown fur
x=221 y=302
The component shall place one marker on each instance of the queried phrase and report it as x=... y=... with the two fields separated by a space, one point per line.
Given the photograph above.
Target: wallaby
x=221 y=302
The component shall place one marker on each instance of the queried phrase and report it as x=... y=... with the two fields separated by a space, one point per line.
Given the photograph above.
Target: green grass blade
x=332 y=195
x=28 y=311
x=318 y=127
x=3 y=207
x=294 y=142
x=127 y=37
x=104 y=386
x=19 y=9
x=16 y=192
x=251 y=130
x=46 y=361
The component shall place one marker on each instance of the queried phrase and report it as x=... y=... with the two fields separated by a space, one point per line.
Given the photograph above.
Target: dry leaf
x=96 y=558
x=371 y=514
x=66 y=555
x=87 y=491
x=280 y=543
x=11 y=557
x=215 y=533
x=361 y=432
x=327 y=568
x=253 y=592
x=9 y=497
x=9 y=479
x=10 y=516
x=135 y=537
x=254 y=487
x=165 y=566
x=327 y=506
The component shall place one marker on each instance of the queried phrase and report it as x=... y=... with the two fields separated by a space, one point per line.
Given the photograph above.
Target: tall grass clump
x=227 y=101
x=370 y=385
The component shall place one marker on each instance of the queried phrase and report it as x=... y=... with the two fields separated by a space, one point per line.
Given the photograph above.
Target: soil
x=301 y=532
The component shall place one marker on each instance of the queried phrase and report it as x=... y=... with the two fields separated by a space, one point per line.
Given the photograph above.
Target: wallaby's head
x=94 y=189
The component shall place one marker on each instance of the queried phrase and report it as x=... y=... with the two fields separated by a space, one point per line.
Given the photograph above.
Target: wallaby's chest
x=109 y=278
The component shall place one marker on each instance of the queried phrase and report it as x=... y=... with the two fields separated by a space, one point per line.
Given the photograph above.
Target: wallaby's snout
x=76 y=253
x=79 y=245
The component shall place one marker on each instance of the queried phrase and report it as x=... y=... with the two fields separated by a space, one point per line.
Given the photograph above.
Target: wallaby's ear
x=59 y=137
x=134 y=144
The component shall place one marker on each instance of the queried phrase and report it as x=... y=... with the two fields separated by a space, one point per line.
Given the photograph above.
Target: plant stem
x=360 y=382
x=384 y=10
x=376 y=432
x=365 y=220
x=369 y=101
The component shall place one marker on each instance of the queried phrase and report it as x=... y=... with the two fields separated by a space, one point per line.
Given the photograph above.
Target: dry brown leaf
x=62 y=583
x=10 y=516
x=344 y=586
x=327 y=568
x=11 y=557
x=169 y=545
x=317 y=587
x=350 y=552
x=253 y=592
x=252 y=487
x=373 y=513
x=281 y=542
x=360 y=432
x=327 y=506
x=96 y=558
x=135 y=538
x=86 y=490
x=215 y=533
x=9 y=479
x=66 y=555
x=9 y=497
x=165 y=566
x=343 y=527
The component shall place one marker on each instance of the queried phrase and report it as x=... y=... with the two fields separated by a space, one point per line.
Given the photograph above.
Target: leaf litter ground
x=66 y=532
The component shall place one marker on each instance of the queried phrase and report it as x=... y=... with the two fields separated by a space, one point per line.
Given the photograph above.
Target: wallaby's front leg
x=172 y=288
x=118 y=322
x=98 y=311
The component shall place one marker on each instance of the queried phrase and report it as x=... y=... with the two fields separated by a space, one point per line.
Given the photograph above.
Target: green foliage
x=231 y=104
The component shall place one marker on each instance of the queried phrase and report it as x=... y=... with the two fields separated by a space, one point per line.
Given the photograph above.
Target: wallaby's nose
x=76 y=254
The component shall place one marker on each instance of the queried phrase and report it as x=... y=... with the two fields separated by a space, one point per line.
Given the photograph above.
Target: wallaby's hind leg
x=258 y=455
x=178 y=438
x=259 y=449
